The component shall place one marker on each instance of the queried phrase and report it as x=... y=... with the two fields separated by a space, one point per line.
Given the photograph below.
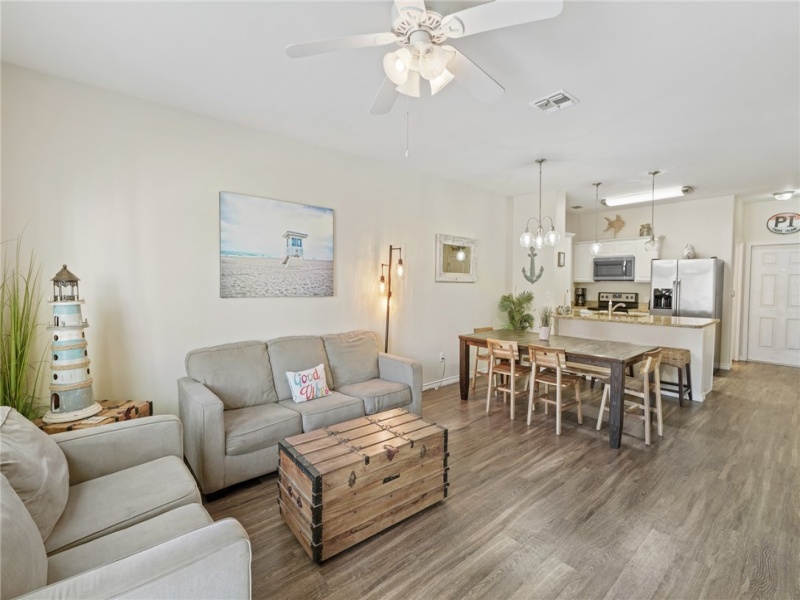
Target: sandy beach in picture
x=242 y=277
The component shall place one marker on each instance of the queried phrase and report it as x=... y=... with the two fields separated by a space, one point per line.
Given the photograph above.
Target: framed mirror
x=456 y=259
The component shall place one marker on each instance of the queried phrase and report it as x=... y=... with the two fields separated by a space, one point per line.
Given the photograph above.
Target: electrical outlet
x=441 y=356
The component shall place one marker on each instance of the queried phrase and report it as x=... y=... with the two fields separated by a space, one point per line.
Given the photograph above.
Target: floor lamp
x=387 y=285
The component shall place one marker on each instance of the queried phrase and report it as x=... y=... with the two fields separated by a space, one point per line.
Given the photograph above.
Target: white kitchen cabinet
x=583 y=263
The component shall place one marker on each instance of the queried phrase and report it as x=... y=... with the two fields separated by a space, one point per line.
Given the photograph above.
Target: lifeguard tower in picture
x=294 y=248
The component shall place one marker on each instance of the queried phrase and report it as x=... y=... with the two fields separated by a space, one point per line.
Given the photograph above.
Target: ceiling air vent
x=554 y=102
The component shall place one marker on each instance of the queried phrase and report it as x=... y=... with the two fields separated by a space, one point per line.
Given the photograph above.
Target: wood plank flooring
x=711 y=510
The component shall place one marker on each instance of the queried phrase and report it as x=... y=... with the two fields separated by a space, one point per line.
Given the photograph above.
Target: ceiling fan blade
x=402 y=5
x=352 y=42
x=498 y=14
x=475 y=79
x=384 y=101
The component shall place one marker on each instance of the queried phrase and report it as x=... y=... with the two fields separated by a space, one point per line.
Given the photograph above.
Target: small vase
x=544 y=333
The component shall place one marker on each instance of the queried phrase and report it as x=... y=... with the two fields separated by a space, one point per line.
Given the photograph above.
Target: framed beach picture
x=274 y=248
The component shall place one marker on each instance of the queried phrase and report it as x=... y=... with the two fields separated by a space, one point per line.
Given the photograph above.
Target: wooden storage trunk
x=342 y=484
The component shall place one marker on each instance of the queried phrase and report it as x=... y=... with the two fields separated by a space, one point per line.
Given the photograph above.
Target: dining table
x=615 y=356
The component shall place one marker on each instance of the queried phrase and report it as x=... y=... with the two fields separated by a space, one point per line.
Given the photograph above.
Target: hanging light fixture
x=652 y=243
x=597 y=246
x=552 y=237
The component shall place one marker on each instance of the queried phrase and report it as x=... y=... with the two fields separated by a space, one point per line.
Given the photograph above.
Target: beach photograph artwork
x=274 y=248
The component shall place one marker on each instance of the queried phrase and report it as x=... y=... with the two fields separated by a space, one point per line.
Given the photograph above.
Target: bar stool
x=681 y=359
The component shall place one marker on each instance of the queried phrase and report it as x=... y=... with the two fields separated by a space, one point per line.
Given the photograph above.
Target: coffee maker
x=580 y=296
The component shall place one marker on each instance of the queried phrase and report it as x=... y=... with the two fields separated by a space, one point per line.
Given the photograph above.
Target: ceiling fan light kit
x=421 y=35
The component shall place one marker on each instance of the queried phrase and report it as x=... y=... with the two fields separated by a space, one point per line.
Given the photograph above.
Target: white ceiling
x=707 y=92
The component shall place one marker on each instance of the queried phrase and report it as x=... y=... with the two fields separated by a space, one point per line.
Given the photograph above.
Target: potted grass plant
x=20 y=370
x=516 y=309
x=545 y=318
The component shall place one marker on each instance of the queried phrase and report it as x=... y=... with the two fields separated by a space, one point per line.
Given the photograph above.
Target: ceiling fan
x=423 y=54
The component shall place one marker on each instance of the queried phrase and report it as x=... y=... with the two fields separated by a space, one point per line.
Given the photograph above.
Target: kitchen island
x=695 y=334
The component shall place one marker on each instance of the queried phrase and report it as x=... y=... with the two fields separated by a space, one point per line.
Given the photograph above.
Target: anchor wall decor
x=533 y=278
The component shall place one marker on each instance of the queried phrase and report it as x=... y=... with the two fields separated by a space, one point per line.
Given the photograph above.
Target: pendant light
x=597 y=246
x=552 y=237
x=651 y=245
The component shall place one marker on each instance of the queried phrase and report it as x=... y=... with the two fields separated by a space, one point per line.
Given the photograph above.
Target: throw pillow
x=309 y=384
x=35 y=467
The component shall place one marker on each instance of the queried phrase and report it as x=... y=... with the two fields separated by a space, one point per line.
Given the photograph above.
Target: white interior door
x=774 y=317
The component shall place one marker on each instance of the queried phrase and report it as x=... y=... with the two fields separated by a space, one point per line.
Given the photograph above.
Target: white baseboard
x=435 y=384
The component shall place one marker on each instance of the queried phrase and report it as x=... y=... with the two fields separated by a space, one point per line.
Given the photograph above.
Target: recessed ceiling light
x=783 y=195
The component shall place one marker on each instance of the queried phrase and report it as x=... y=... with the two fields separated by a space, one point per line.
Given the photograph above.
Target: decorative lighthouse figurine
x=71 y=396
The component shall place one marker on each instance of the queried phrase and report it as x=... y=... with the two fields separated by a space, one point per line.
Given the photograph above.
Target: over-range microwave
x=614 y=268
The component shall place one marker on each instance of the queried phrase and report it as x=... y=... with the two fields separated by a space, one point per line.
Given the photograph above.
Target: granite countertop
x=638 y=318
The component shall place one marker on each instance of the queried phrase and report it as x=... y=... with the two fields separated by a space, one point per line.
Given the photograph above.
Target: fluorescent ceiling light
x=662 y=194
x=783 y=195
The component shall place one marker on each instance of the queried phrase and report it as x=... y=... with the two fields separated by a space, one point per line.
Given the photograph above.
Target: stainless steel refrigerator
x=689 y=288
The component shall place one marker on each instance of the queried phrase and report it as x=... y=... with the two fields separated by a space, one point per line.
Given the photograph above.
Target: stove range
x=630 y=301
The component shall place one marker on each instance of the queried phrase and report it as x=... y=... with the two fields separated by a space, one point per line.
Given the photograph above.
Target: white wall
x=126 y=193
x=549 y=290
x=707 y=224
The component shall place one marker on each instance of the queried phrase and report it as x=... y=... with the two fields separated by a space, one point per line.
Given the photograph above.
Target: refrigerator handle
x=677 y=302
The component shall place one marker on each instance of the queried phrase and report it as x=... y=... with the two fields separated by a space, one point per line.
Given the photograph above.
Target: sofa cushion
x=379 y=395
x=35 y=467
x=24 y=558
x=120 y=544
x=327 y=411
x=106 y=504
x=258 y=427
x=353 y=356
x=296 y=353
x=239 y=374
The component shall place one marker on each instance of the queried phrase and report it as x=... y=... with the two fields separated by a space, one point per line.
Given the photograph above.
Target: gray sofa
x=110 y=511
x=236 y=402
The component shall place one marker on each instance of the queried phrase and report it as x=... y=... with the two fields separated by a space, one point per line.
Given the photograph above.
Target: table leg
x=463 y=369
x=616 y=408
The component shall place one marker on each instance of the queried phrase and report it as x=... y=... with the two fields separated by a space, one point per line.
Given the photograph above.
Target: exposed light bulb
x=552 y=237
x=382 y=285
x=595 y=248
x=461 y=255
x=538 y=241
x=526 y=239
x=400 y=267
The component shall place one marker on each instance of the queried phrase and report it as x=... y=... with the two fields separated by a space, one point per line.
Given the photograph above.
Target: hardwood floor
x=711 y=510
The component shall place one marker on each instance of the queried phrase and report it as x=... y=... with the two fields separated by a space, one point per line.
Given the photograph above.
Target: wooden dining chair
x=640 y=388
x=548 y=366
x=479 y=356
x=504 y=362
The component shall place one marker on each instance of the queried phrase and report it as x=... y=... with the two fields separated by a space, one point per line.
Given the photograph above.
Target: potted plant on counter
x=516 y=310
x=545 y=317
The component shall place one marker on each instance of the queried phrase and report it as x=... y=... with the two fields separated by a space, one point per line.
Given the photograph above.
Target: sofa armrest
x=106 y=449
x=203 y=433
x=210 y=562
x=403 y=370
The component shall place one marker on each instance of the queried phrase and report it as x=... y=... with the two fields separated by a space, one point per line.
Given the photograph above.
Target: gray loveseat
x=236 y=402
x=110 y=511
